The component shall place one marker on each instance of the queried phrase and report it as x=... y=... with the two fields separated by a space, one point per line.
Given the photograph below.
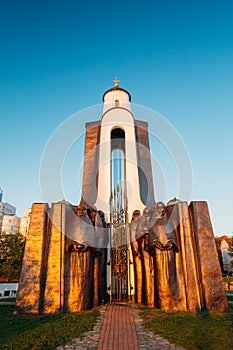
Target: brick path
x=118 y=330
x=119 y=327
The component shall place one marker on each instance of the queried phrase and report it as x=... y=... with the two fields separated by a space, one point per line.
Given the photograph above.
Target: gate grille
x=119 y=256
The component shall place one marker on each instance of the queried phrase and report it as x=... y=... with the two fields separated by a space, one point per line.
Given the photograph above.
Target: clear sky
x=175 y=57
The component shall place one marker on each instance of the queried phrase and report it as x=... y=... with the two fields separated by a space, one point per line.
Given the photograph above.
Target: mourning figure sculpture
x=163 y=247
x=100 y=259
x=82 y=262
x=142 y=235
x=136 y=256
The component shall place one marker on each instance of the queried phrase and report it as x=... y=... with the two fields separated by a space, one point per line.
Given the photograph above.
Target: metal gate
x=119 y=256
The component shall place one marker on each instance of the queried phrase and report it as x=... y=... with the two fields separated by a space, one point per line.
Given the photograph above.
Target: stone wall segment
x=213 y=292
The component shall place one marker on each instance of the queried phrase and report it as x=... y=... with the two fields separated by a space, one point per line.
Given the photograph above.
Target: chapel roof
x=116 y=88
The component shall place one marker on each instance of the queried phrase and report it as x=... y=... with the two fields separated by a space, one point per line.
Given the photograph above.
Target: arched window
x=117 y=103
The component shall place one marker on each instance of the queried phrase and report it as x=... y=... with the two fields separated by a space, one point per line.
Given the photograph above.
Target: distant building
x=7 y=209
x=10 y=225
x=8 y=289
x=225 y=243
x=24 y=222
x=9 y=222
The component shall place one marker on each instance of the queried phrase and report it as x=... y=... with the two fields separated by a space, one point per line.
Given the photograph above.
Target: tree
x=11 y=256
x=219 y=252
x=230 y=251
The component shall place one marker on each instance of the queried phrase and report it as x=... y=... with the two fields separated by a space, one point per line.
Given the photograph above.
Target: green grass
x=42 y=331
x=204 y=331
x=8 y=299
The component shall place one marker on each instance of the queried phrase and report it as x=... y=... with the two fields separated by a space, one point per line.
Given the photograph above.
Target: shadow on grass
x=39 y=332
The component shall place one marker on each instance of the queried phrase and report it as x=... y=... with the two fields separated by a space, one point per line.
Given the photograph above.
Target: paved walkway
x=119 y=327
x=118 y=330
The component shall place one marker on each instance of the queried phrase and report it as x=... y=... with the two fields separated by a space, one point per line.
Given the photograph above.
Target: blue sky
x=176 y=57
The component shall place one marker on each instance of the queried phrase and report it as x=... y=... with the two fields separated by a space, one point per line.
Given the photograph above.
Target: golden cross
x=116 y=81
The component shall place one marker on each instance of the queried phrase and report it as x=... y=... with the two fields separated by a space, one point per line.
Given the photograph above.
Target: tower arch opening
x=118 y=170
x=119 y=252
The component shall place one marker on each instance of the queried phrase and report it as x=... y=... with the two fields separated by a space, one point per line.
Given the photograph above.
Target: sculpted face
x=93 y=214
x=101 y=214
x=147 y=214
x=160 y=208
x=80 y=213
x=136 y=215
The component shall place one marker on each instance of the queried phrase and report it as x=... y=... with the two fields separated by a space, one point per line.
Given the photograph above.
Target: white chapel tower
x=117 y=164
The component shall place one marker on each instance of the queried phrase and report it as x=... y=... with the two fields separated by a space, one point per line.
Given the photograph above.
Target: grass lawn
x=41 y=331
x=205 y=331
x=10 y=299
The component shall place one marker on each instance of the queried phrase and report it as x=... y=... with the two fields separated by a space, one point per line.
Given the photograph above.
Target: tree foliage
x=11 y=256
x=219 y=252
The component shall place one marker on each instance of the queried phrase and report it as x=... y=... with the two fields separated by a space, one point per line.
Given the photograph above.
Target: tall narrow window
x=118 y=167
x=117 y=103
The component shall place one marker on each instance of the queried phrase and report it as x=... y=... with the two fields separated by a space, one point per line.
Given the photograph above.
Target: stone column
x=54 y=287
x=91 y=159
x=186 y=268
x=144 y=163
x=30 y=292
x=209 y=272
